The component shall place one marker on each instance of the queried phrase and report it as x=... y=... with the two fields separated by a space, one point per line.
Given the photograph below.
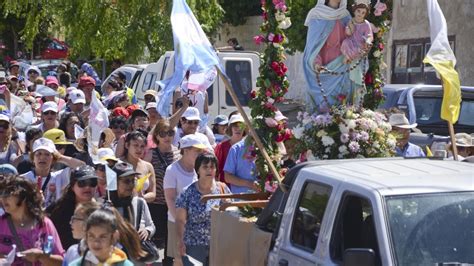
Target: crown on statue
x=363 y=2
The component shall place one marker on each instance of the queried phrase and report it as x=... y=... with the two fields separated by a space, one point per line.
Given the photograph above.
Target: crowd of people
x=68 y=200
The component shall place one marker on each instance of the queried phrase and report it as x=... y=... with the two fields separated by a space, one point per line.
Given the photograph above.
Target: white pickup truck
x=240 y=66
x=373 y=212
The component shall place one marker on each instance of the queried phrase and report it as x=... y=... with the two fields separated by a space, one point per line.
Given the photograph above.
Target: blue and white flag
x=111 y=178
x=193 y=52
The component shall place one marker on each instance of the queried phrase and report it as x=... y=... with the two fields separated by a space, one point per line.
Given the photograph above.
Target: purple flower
x=271 y=36
x=354 y=146
x=364 y=136
x=344 y=138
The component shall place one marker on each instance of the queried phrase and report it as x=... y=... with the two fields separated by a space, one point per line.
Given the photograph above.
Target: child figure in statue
x=359 y=33
x=354 y=47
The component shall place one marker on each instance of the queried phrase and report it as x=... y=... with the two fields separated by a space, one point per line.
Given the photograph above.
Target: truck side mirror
x=358 y=257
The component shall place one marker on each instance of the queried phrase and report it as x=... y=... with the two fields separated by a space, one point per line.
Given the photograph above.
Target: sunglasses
x=49 y=113
x=127 y=180
x=192 y=122
x=169 y=133
x=4 y=125
x=122 y=127
x=87 y=183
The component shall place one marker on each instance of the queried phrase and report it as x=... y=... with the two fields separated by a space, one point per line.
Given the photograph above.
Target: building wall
x=411 y=22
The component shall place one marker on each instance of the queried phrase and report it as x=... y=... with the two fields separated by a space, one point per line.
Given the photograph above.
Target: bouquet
x=344 y=132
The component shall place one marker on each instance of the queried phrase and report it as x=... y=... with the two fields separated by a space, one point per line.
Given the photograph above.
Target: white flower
x=327 y=150
x=343 y=149
x=386 y=126
x=377 y=53
x=271 y=100
x=354 y=146
x=344 y=138
x=321 y=133
x=306 y=119
x=351 y=124
x=276 y=45
x=310 y=156
x=372 y=125
x=368 y=113
x=298 y=131
x=325 y=156
x=279 y=16
x=376 y=145
x=391 y=141
x=285 y=24
x=327 y=141
x=343 y=128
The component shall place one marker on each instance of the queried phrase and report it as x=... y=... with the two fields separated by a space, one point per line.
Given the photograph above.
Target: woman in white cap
x=9 y=149
x=49 y=116
x=50 y=183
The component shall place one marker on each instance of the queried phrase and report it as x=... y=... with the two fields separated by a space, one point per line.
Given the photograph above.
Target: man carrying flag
x=442 y=58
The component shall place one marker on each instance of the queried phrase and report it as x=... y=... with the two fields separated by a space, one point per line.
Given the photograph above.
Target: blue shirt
x=238 y=165
x=410 y=150
x=198 y=221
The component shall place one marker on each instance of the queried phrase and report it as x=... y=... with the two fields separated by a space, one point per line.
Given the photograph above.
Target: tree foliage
x=236 y=12
x=111 y=28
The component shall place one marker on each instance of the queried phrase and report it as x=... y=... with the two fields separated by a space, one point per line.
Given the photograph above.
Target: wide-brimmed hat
x=463 y=140
x=236 y=118
x=400 y=121
x=57 y=136
x=104 y=154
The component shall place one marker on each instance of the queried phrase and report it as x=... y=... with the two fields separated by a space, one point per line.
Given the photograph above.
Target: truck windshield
x=427 y=229
x=428 y=111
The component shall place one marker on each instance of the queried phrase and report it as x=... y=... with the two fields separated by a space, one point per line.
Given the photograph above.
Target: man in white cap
x=189 y=125
x=401 y=129
x=77 y=100
x=49 y=116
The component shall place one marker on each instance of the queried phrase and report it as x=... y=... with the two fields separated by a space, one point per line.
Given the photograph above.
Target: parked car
x=386 y=211
x=56 y=49
x=131 y=71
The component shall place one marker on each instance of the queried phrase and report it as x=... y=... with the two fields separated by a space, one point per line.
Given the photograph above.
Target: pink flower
x=271 y=36
x=270 y=187
x=259 y=39
x=268 y=93
x=379 y=9
x=280 y=5
x=271 y=122
x=268 y=105
x=278 y=38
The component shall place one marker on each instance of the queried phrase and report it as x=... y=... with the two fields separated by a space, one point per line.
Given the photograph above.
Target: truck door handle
x=283 y=262
x=224 y=107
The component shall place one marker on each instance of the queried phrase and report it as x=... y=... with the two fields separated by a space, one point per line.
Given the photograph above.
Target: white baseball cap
x=236 y=118
x=192 y=113
x=191 y=140
x=150 y=105
x=44 y=144
x=77 y=96
x=49 y=106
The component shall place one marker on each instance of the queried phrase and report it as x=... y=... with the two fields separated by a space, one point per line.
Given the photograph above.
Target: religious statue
x=332 y=72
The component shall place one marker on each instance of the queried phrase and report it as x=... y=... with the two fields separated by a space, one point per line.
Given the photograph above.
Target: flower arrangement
x=344 y=132
x=272 y=85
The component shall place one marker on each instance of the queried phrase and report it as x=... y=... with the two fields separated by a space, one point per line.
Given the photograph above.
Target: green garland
x=272 y=86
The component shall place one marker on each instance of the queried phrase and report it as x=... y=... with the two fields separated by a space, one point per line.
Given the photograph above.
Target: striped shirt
x=160 y=162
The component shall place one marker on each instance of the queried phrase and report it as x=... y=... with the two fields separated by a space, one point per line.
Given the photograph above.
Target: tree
x=111 y=28
x=236 y=12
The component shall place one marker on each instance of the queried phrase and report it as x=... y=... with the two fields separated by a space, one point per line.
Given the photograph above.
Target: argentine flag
x=193 y=52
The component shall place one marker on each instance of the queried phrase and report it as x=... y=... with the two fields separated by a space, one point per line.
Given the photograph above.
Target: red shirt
x=221 y=151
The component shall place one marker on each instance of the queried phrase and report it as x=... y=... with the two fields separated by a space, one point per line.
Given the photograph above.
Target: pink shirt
x=332 y=48
x=30 y=238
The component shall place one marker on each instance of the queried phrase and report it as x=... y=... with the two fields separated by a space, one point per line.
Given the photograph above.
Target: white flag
x=98 y=121
x=111 y=178
x=10 y=258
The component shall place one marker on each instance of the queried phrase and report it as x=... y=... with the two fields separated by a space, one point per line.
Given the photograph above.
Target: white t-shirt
x=178 y=178
x=58 y=181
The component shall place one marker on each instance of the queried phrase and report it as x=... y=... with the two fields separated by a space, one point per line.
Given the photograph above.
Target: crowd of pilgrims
x=64 y=201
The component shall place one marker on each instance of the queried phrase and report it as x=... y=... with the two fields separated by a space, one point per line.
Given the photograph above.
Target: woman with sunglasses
x=50 y=183
x=81 y=189
x=118 y=124
x=25 y=225
x=128 y=204
x=161 y=157
x=9 y=150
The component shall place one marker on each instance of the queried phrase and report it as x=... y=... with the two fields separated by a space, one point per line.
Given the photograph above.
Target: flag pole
x=451 y=130
x=252 y=131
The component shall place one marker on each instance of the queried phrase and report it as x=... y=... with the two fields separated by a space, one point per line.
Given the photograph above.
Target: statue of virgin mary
x=326 y=24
